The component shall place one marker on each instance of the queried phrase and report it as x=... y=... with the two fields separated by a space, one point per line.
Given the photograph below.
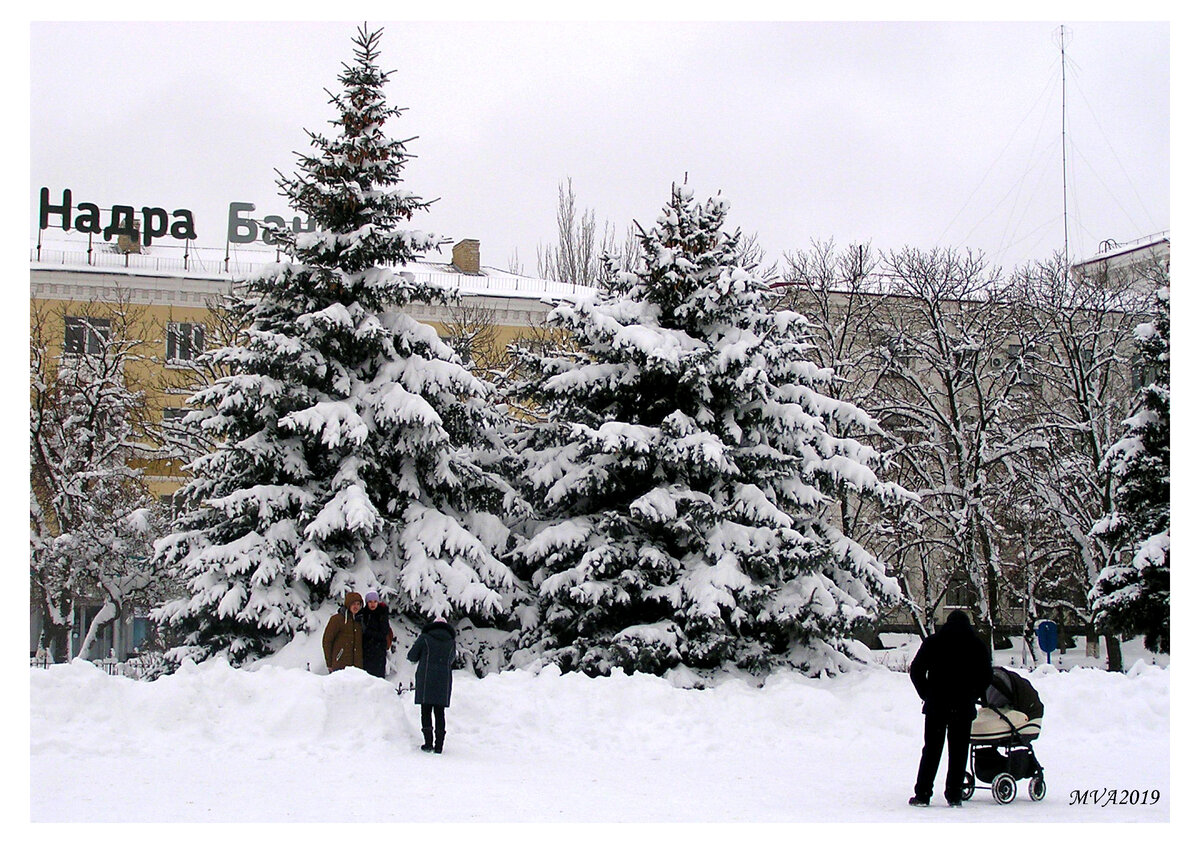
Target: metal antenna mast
x=1062 y=46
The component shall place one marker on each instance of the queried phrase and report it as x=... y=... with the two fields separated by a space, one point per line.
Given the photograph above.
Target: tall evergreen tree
x=355 y=450
x=1133 y=596
x=684 y=467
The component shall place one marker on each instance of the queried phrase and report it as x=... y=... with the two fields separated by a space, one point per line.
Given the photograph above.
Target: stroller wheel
x=968 y=789
x=1037 y=788
x=1004 y=788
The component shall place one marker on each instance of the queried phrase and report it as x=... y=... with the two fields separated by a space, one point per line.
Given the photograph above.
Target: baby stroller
x=1002 y=739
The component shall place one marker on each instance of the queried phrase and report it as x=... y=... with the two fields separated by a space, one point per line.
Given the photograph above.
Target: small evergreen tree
x=355 y=450
x=1133 y=596
x=683 y=471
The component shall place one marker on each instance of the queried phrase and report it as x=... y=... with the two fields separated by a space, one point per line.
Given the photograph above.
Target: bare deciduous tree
x=91 y=518
x=954 y=387
x=1088 y=365
x=579 y=257
x=472 y=331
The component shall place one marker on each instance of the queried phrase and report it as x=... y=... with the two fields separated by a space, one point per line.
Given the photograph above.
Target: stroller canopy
x=1009 y=690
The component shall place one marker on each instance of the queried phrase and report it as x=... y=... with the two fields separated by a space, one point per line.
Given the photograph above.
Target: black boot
x=439 y=737
x=428 y=736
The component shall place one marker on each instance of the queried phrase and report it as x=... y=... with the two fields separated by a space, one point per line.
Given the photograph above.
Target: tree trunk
x=993 y=600
x=1029 y=637
x=1112 y=644
x=106 y=614
x=986 y=628
x=56 y=637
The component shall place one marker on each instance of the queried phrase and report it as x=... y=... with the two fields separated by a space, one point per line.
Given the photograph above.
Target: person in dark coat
x=433 y=652
x=343 y=639
x=951 y=671
x=377 y=635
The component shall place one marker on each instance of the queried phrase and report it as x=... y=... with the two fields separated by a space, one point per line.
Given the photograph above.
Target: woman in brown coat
x=343 y=636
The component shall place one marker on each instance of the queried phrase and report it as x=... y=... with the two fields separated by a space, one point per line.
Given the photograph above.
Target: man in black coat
x=951 y=671
x=376 y=636
x=433 y=652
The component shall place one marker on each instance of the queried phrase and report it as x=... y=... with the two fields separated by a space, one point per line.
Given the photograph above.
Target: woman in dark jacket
x=377 y=635
x=433 y=652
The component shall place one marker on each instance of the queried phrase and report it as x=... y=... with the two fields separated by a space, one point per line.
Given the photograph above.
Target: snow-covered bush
x=148 y=665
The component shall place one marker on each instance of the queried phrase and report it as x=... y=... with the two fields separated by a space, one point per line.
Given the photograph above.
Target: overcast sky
x=917 y=134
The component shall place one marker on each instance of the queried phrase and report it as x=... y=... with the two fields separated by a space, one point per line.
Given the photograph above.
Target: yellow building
x=169 y=305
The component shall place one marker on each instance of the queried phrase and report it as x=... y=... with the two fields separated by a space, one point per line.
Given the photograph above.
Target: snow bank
x=284 y=744
x=207 y=706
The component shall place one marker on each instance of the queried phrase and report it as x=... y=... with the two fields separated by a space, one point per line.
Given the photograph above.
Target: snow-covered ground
x=279 y=743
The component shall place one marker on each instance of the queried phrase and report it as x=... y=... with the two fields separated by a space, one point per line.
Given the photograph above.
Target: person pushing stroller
x=952 y=670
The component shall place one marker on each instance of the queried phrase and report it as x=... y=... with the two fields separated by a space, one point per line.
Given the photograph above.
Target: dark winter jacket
x=952 y=668
x=433 y=652
x=343 y=639
x=377 y=638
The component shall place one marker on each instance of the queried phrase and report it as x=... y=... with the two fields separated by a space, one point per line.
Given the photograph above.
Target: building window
x=185 y=340
x=965 y=357
x=178 y=432
x=1015 y=360
x=85 y=335
x=896 y=351
x=1145 y=373
x=170 y=505
x=960 y=593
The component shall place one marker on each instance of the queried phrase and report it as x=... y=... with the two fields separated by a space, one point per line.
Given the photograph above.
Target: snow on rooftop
x=205 y=263
x=1111 y=250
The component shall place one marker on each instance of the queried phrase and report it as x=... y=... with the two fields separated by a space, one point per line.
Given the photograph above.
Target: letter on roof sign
x=64 y=210
x=121 y=223
x=154 y=224
x=88 y=222
x=184 y=228
x=241 y=229
x=276 y=221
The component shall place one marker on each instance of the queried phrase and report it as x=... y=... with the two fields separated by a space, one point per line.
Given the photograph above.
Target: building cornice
x=90 y=285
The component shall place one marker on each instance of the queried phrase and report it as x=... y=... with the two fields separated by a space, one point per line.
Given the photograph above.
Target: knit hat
x=351 y=597
x=372 y=596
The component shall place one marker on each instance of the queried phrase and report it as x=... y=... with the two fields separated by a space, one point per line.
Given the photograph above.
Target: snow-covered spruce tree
x=355 y=450
x=683 y=469
x=1133 y=596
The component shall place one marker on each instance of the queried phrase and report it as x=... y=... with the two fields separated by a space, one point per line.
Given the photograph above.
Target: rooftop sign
x=151 y=222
